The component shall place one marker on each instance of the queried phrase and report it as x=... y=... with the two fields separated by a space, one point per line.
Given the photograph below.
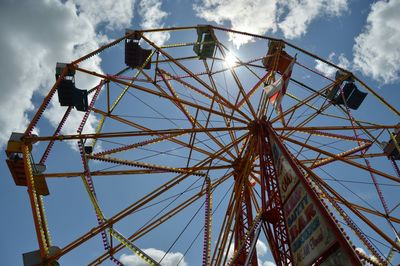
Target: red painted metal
x=207 y=217
x=344 y=245
x=56 y=133
x=244 y=222
x=395 y=166
x=272 y=206
x=87 y=175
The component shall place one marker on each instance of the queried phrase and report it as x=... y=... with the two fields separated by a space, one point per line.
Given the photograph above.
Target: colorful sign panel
x=310 y=234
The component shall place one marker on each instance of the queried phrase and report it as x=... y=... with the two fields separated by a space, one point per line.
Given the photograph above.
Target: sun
x=230 y=60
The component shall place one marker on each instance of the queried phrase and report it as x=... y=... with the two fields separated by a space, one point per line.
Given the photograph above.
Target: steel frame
x=246 y=154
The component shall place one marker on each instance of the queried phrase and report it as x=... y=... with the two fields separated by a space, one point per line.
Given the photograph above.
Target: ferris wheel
x=203 y=151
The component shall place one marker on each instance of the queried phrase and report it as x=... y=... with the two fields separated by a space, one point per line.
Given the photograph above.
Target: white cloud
x=152 y=15
x=114 y=14
x=377 y=48
x=257 y=16
x=269 y=263
x=329 y=71
x=300 y=13
x=171 y=259
x=262 y=249
x=36 y=35
x=254 y=16
x=55 y=112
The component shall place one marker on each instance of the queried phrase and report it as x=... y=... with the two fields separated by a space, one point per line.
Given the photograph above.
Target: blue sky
x=357 y=35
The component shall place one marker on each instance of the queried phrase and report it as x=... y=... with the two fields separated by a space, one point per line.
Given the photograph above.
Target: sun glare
x=230 y=59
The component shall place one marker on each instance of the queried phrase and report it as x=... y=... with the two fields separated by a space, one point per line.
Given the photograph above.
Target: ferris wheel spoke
x=387 y=104
x=323 y=161
x=300 y=104
x=223 y=232
x=369 y=209
x=112 y=106
x=186 y=70
x=221 y=107
x=128 y=172
x=183 y=131
x=393 y=178
x=350 y=222
x=159 y=221
x=215 y=96
x=365 y=209
x=145 y=132
x=176 y=100
x=248 y=66
x=353 y=210
x=240 y=221
x=350 y=157
x=154 y=167
x=125 y=212
x=194 y=122
x=108 y=223
x=145 y=129
x=307 y=104
x=299 y=100
x=238 y=84
x=156 y=93
x=328 y=128
x=187 y=128
x=112 y=173
x=339 y=137
x=137 y=144
x=170 y=214
x=308 y=119
x=311 y=106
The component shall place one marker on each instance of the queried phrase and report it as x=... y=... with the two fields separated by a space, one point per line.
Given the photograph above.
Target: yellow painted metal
x=37 y=206
x=146 y=258
x=225 y=152
x=396 y=144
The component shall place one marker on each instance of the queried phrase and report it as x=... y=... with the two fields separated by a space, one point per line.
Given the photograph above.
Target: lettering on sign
x=292 y=201
x=309 y=232
x=286 y=181
x=302 y=221
x=286 y=176
x=297 y=211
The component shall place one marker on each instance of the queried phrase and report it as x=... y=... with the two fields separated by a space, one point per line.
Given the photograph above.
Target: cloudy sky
x=359 y=35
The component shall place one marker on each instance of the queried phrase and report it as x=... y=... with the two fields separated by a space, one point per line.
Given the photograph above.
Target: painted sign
x=310 y=234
